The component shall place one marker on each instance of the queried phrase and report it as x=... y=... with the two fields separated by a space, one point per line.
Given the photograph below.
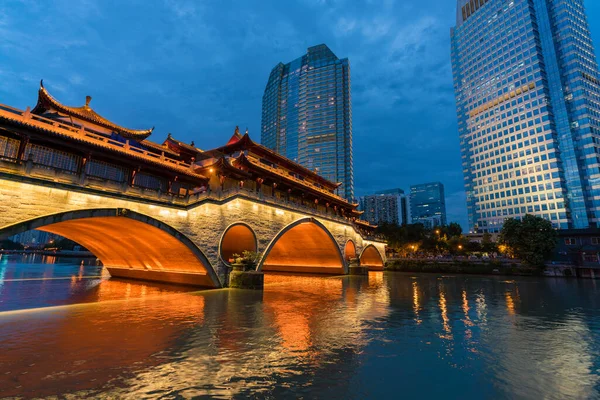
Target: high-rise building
x=528 y=104
x=34 y=238
x=386 y=206
x=428 y=204
x=307 y=115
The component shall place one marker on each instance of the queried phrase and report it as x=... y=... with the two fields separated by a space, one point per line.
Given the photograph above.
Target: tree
x=487 y=245
x=10 y=245
x=454 y=230
x=532 y=239
x=63 y=244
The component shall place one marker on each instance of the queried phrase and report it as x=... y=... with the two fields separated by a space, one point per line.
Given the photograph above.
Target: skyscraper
x=428 y=204
x=307 y=115
x=386 y=206
x=528 y=104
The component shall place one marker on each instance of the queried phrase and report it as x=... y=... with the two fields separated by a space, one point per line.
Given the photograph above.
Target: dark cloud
x=197 y=69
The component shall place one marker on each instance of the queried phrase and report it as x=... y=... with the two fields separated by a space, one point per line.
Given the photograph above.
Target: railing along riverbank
x=497 y=266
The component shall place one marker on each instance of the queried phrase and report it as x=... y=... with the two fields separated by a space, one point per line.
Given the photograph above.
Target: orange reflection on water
x=444 y=312
x=510 y=303
x=292 y=300
x=78 y=346
x=466 y=308
x=416 y=305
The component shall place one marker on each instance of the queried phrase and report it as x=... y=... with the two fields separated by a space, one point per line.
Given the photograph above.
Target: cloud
x=345 y=26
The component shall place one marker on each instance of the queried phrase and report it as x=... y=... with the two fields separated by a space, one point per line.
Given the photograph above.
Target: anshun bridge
x=170 y=212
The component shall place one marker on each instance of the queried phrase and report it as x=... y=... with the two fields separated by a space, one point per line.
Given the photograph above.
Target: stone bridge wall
x=203 y=223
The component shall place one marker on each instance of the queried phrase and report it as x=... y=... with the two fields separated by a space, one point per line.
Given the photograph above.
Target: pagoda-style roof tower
x=51 y=108
x=239 y=142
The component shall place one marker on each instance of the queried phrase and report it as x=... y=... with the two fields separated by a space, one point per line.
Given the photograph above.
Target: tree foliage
x=532 y=239
x=409 y=239
x=63 y=244
x=10 y=245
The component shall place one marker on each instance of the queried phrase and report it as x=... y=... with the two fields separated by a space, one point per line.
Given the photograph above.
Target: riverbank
x=59 y=253
x=462 y=267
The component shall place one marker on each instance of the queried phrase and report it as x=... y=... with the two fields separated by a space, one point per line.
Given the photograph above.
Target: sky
x=198 y=68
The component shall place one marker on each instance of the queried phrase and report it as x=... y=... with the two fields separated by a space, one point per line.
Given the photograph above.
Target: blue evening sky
x=198 y=69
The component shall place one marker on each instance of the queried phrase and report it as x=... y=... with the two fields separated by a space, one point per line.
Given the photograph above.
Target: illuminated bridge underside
x=371 y=258
x=134 y=249
x=304 y=247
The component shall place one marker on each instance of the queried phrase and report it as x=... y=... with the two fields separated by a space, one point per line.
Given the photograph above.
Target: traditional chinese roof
x=158 y=147
x=241 y=142
x=365 y=224
x=65 y=131
x=179 y=146
x=249 y=161
x=47 y=102
x=221 y=165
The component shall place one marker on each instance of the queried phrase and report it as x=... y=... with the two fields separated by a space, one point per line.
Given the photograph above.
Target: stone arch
x=236 y=238
x=370 y=257
x=349 y=250
x=129 y=244
x=304 y=246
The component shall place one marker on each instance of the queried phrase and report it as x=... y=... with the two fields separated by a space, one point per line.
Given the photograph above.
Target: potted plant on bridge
x=244 y=274
x=247 y=261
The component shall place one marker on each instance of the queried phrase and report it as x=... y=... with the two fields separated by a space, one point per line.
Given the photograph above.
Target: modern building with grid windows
x=528 y=105
x=307 y=115
x=428 y=204
x=386 y=206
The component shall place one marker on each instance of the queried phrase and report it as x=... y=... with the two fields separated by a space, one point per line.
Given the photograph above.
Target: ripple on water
x=313 y=337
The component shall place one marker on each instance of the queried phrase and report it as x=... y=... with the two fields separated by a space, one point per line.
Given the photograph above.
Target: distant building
x=307 y=115
x=34 y=238
x=386 y=206
x=581 y=248
x=428 y=204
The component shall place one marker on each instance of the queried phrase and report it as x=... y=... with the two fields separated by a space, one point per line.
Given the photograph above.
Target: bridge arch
x=349 y=250
x=129 y=244
x=304 y=246
x=371 y=257
x=237 y=238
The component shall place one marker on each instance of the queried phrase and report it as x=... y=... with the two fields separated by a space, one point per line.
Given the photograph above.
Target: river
x=67 y=329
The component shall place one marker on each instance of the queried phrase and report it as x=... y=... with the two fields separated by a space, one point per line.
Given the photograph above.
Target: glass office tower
x=528 y=105
x=428 y=204
x=307 y=115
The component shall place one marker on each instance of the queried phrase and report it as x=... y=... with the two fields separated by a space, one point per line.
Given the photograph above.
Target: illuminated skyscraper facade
x=528 y=104
x=307 y=115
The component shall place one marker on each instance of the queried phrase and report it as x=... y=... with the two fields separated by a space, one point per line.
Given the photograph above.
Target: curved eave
x=365 y=224
x=85 y=113
x=332 y=197
x=246 y=142
x=225 y=166
x=185 y=146
x=159 y=147
x=101 y=145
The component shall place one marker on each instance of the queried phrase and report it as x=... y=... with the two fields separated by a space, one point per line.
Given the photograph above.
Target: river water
x=67 y=329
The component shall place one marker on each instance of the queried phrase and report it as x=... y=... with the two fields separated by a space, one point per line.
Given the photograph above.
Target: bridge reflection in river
x=330 y=337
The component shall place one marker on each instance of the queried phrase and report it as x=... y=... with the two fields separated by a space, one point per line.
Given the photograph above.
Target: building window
x=570 y=241
x=596 y=240
x=9 y=148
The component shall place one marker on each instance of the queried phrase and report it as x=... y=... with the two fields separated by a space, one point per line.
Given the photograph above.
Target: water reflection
x=314 y=337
